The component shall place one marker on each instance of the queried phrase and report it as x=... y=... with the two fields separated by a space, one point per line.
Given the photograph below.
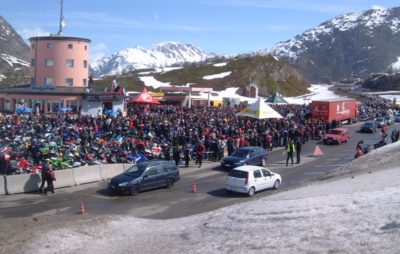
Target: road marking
x=203 y=174
x=103 y=197
x=329 y=165
x=314 y=173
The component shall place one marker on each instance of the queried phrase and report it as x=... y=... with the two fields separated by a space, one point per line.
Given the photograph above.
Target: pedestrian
x=291 y=149
x=298 y=151
x=50 y=178
x=231 y=145
x=200 y=149
x=176 y=154
x=45 y=166
x=187 y=155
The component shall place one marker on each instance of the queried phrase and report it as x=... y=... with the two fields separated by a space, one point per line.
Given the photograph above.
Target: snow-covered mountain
x=159 y=55
x=14 y=56
x=355 y=44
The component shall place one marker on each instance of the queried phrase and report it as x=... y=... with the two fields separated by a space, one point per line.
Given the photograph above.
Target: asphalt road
x=180 y=200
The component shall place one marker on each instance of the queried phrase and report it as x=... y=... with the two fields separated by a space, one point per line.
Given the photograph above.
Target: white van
x=249 y=179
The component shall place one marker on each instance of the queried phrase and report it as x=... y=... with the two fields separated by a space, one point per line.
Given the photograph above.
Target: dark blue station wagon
x=248 y=155
x=144 y=176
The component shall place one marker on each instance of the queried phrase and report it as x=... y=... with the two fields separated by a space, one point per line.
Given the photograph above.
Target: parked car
x=364 y=117
x=380 y=121
x=144 y=176
x=397 y=118
x=337 y=136
x=389 y=120
x=369 y=127
x=250 y=179
x=248 y=155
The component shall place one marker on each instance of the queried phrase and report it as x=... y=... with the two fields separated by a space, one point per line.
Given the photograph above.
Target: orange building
x=59 y=78
x=59 y=61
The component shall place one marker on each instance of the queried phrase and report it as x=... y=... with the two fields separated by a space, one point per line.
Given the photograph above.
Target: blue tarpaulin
x=111 y=112
x=24 y=110
x=65 y=109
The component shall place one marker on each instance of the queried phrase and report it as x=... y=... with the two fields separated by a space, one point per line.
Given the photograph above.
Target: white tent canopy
x=259 y=110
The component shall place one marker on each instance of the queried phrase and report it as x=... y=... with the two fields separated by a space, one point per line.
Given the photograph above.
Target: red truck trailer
x=341 y=110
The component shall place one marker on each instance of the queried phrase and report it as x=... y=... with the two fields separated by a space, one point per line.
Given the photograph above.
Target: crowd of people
x=183 y=134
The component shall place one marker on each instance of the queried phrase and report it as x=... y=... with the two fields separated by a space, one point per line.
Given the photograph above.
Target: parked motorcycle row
x=362 y=148
x=23 y=149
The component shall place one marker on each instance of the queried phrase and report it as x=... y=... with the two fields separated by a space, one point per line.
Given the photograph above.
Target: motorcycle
x=60 y=163
x=362 y=149
x=381 y=143
x=136 y=157
x=91 y=160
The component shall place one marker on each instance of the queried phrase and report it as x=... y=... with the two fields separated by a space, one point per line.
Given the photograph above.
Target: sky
x=224 y=27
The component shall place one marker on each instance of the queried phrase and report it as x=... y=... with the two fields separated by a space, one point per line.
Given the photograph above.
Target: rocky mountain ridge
x=351 y=45
x=159 y=55
x=14 y=56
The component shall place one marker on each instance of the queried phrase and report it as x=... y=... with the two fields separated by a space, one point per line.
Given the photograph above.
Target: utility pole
x=62 y=21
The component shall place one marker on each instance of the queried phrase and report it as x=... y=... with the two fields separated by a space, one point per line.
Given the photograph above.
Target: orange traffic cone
x=82 y=210
x=317 y=152
x=194 y=188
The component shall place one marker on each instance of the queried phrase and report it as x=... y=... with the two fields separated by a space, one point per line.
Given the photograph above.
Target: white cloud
x=27 y=33
x=377 y=7
x=98 y=51
x=338 y=7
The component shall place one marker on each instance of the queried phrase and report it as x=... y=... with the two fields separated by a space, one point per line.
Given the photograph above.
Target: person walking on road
x=50 y=177
x=291 y=149
x=176 y=154
x=187 y=155
x=298 y=151
x=200 y=152
x=45 y=165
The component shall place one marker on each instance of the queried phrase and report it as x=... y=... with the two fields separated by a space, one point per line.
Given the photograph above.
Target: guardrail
x=14 y=184
x=3 y=185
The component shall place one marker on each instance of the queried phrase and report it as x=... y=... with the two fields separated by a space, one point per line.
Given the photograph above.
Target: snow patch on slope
x=219 y=75
x=11 y=60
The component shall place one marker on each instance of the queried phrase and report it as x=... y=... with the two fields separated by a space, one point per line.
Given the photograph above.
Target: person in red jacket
x=200 y=150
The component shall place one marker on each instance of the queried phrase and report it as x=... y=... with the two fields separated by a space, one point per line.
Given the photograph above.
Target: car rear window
x=240 y=153
x=135 y=170
x=335 y=132
x=170 y=168
x=238 y=174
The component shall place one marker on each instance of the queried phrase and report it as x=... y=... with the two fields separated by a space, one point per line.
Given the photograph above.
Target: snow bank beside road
x=355 y=214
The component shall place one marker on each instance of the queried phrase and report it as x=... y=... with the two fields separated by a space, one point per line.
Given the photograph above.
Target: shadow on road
x=224 y=193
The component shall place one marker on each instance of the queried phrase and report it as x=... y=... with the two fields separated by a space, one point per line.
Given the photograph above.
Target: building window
x=85 y=47
x=48 y=82
x=69 y=82
x=49 y=45
x=49 y=62
x=70 y=46
x=33 y=82
x=84 y=82
x=33 y=62
x=69 y=63
x=33 y=45
x=84 y=64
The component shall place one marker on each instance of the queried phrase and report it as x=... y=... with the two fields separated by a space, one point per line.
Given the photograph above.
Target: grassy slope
x=270 y=75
